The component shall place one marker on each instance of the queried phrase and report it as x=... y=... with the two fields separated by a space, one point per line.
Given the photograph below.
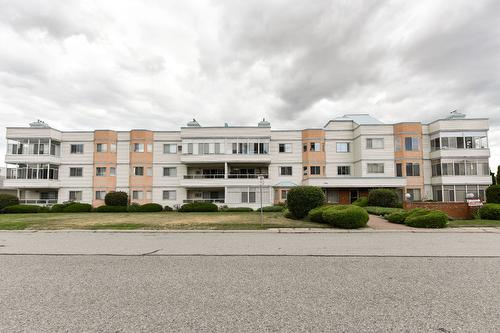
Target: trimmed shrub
x=345 y=216
x=57 y=208
x=288 y=215
x=150 y=207
x=316 y=214
x=167 y=209
x=418 y=212
x=361 y=202
x=18 y=209
x=199 y=207
x=490 y=211
x=77 y=207
x=133 y=207
x=301 y=199
x=110 y=209
x=269 y=209
x=237 y=209
x=493 y=194
x=397 y=217
x=383 y=198
x=116 y=199
x=7 y=200
x=382 y=210
x=429 y=219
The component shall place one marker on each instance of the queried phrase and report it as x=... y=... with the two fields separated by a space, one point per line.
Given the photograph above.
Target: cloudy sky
x=155 y=64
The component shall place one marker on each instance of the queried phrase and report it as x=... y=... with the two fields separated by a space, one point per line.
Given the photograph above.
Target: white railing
x=247 y=176
x=218 y=176
x=204 y=200
x=37 y=201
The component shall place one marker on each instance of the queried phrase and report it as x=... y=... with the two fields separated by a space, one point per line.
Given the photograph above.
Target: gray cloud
x=155 y=64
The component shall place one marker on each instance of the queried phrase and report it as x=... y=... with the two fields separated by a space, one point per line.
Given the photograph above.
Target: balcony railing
x=219 y=200
x=231 y=176
x=247 y=176
x=37 y=201
x=204 y=176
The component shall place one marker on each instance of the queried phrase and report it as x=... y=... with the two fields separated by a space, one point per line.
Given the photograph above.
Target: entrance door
x=354 y=195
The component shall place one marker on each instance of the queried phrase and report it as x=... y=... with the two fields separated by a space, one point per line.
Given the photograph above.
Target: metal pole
x=261 y=179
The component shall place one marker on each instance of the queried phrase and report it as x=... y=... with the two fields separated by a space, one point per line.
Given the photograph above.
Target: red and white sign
x=474 y=202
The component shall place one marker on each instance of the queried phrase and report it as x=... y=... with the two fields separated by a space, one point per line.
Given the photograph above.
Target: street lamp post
x=261 y=182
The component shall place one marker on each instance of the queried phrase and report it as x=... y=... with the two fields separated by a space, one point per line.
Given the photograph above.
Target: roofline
x=448 y=119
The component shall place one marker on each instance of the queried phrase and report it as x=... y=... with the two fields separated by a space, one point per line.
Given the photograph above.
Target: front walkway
x=378 y=223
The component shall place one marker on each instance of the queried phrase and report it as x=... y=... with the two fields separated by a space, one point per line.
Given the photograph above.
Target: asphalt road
x=322 y=289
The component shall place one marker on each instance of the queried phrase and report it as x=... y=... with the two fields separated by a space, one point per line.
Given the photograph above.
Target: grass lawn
x=151 y=221
x=474 y=223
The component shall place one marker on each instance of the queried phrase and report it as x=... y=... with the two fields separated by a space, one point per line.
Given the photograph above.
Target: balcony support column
x=225 y=170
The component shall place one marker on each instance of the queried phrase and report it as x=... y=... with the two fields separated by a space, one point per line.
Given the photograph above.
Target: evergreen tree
x=498 y=175
x=493 y=178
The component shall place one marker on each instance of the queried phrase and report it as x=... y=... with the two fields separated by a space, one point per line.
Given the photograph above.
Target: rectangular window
x=399 y=170
x=99 y=195
x=285 y=147
x=460 y=142
x=138 y=171
x=459 y=168
x=343 y=147
x=76 y=149
x=375 y=143
x=415 y=194
x=285 y=171
x=469 y=143
x=436 y=168
x=75 y=172
x=169 y=195
x=315 y=146
x=343 y=170
x=315 y=170
x=203 y=148
x=284 y=194
x=75 y=195
x=460 y=193
x=112 y=171
x=101 y=147
x=375 y=167
x=217 y=148
x=446 y=169
x=471 y=168
x=411 y=143
x=100 y=171
x=137 y=195
x=170 y=148
x=251 y=197
x=412 y=169
x=190 y=149
x=170 y=172
x=138 y=147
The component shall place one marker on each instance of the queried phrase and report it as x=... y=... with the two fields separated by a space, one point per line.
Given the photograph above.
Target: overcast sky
x=81 y=65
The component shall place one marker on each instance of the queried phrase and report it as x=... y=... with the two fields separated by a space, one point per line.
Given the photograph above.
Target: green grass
x=151 y=221
x=474 y=223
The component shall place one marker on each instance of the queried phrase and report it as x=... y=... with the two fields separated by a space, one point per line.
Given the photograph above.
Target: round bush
x=133 y=207
x=199 y=207
x=431 y=219
x=361 y=202
x=167 y=209
x=346 y=217
x=316 y=214
x=19 y=209
x=110 y=209
x=150 y=207
x=237 y=209
x=490 y=211
x=116 y=199
x=383 y=198
x=301 y=199
x=493 y=194
x=7 y=200
x=57 y=208
x=77 y=207
x=397 y=217
x=269 y=209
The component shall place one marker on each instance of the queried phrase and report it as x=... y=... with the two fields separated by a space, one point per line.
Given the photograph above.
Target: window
x=305 y=148
x=285 y=171
x=190 y=148
x=248 y=197
x=203 y=148
x=99 y=195
x=284 y=194
x=315 y=146
x=460 y=193
x=435 y=144
x=217 y=148
x=375 y=167
x=170 y=172
x=149 y=172
x=415 y=193
x=460 y=143
x=469 y=142
x=76 y=149
x=471 y=168
x=459 y=167
x=137 y=195
x=343 y=170
x=112 y=147
x=169 y=148
x=75 y=172
x=112 y=171
x=399 y=170
x=285 y=147
x=343 y=147
x=447 y=169
x=138 y=147
x=436 y=168
x=100 y=171
x=101 y=147
x=169 y=195
x=412 y=169
x=377 y=143
x=139 y=171
x=75 y=196
x=315 y=170
x=411 y=143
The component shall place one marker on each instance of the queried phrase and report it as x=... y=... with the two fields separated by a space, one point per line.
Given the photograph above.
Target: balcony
x=33 y=175
x=38 y=196
x=213 y=195
x=32 y=151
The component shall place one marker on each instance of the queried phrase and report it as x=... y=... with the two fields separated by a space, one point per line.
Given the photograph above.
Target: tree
x=498 y=175
x=493 y=178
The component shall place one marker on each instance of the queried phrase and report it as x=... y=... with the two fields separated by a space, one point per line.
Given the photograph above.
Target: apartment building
x=231 y=165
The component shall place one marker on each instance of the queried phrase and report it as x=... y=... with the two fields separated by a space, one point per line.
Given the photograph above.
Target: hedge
x=116 y=198
x=397 y=217
x=199 y=207
x=493 y=194
x=490 y=211
x=237 y=209
x=150 y=207
x=133 y=208
x=18 y=209
x=361 y=202
x=345 y=216
x=7 y=200
x=167 y=209
x=301 y=199
x=383 y=198
x=382 y=210
x=110 y=209
x=430 y=219
x=269 y=209
x=316 y=214
x=77 y=207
